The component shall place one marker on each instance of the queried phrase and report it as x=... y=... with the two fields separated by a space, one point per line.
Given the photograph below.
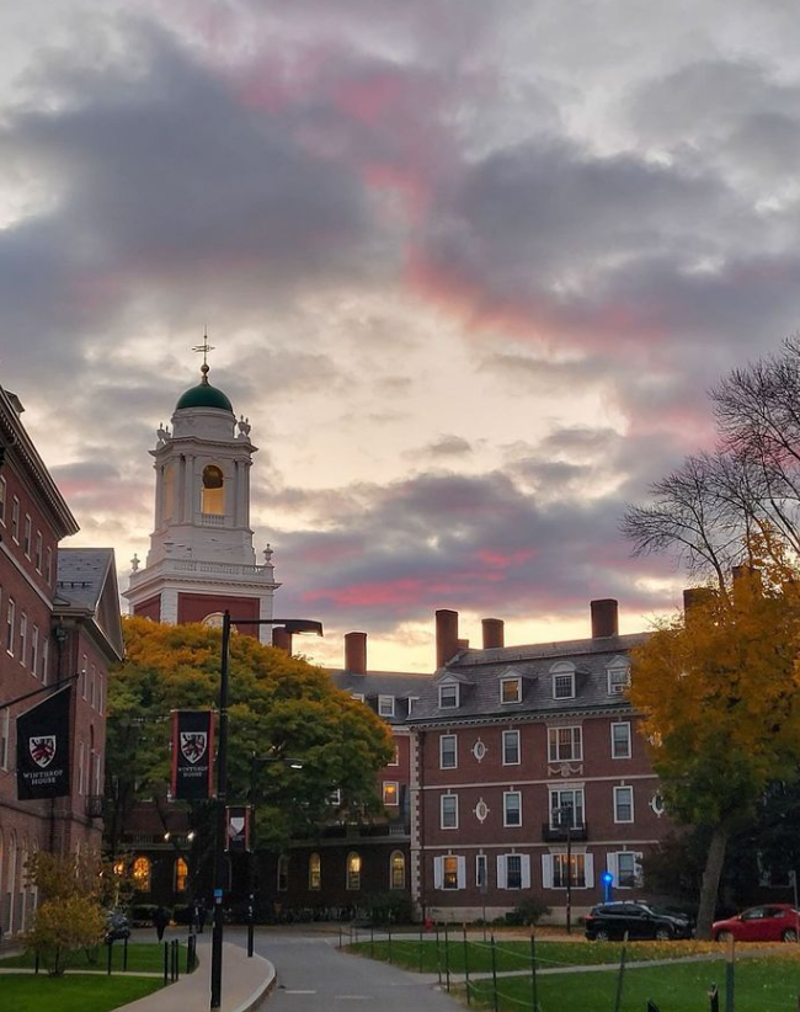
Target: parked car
x=640 y=920
x=773 y=922
x=118 y=926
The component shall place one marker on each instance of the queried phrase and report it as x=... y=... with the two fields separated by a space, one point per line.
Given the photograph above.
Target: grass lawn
x=74 y=993
x=147 y=957
x=762 y=985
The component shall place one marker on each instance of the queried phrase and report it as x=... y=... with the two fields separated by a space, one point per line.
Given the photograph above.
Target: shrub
x=142 y=913
x=182 y=913
x=390 y=908
x=62 y=927
x=527 y=913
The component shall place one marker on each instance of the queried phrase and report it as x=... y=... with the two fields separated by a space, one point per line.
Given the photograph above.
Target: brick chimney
x=493 y=633
x=605 y=620
x=355 y=652
x=282 y=640
x=446 y=636
x=694 y=598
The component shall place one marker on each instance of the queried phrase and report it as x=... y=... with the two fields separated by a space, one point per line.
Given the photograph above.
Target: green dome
x=204 y=396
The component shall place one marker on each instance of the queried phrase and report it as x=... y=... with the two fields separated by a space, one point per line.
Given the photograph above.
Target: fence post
x=713 y=998
x=447 y=956
x=534 y=996
x=494 y=973
x=109 y=944
x=729 y=976
x=438 y=956
x=125 y=953
x=166 y=963
x=618 y=1001
x=466 y=962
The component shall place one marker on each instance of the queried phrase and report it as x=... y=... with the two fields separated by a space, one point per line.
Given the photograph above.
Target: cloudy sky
x=469 y=268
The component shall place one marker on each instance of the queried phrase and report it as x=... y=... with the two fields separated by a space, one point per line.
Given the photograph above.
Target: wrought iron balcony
x=558 y=834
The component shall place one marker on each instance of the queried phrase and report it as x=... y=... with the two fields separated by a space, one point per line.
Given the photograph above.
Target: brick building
x=59 y=617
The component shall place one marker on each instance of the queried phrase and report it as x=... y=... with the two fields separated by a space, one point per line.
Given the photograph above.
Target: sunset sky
x=470 y=268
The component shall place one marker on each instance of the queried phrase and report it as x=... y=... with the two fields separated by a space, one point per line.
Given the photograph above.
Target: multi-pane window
x=140 y=873
x=181 y=875
x=448 y=751
x=510 y=690
x=481 y=871
x=619 y=678
x=397 y=870
x=395 y=760
x=449 y=811
x=37 y=558
x=621 y=740
x=626 y=869
x=511 y=748
x=574 y=872
x=35 y=651
x=314 y=873
x=3 y=497
x=623 y=804
x=566 y=808
x=353 y=871
x=283 y=873
x=564 y=686
x=15 y=519
x=11 y=622
x=23 y=639
x=27 y=534
x=565 y=744
x=386 y=706
x=448 y=697
x=391 y=793
x=513 y=871
x=450 y=872
x=512 y=808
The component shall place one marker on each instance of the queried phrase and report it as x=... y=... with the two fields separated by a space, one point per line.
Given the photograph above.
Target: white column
x=265 y=611
x=169 y=606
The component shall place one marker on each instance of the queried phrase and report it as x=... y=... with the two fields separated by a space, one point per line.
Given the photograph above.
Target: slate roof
x=400 y=684
x=87 y=580
x=479 y=673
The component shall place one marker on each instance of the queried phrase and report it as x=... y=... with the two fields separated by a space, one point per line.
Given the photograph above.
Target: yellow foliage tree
x=718 y=688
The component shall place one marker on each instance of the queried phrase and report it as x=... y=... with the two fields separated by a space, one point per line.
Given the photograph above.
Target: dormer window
x=511 y=690
x=411 y=701
x=619 y=678
x=386 y=706
x=563 y=681
x=358 y=695
x=448 y=696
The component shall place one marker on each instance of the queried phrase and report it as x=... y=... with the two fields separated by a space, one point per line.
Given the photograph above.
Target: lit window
x=575 y=871
x=565 y=744
x=448 y=754
x=619 y=678
x=353 y=871
x=397 y=870
x=448 y=697
x=141 y=874
x=450 y=872
x=512 y=808
x=449 y=811
x=511 y=748
x=314 y=873
x=26 y=537
x=510 y=690
x=386 y=706
x=621 y=740
x=283 y=873
x=623 y=804
x=181 y=875
x=391 y=793
x=213 y=499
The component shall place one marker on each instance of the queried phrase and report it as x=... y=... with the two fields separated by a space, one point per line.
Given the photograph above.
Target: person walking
x=161 y=919
x=202 y=914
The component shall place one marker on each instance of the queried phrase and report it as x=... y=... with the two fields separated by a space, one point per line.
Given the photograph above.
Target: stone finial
x=135 y=563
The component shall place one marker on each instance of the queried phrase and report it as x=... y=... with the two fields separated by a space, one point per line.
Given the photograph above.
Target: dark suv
x=640 y=920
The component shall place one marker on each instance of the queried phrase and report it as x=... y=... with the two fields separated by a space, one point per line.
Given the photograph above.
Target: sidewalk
x=244 y=983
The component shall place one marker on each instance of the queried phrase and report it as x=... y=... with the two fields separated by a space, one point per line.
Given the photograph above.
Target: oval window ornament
x=479 y=750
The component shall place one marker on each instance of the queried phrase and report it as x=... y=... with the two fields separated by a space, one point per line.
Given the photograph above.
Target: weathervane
x=205 y=347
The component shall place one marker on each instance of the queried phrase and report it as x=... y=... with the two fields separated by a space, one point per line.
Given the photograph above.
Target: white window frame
x=554 y=745
x=27 y=536
x=447 y=687
x=626 y=724
x=442 y=739
x=385 y=706
x=506 y=796
x=507 y=736
x=636 y=881
x=447 y=797
x=35 y=650
x=562 y=675
x=23 y=638
x=39 y=552
x=411 y=700
x=15 y=519
x=335 y=797
x=578 y=793
x=11 y=626
x=516 y=680
x=614 y=686
x=392 y=884
x=481 y=879
x=395 y=760
x=548 y=870
x=617 y=791
x=524 y=871
x=396 y=785
x=439 y=872
x=358 y=695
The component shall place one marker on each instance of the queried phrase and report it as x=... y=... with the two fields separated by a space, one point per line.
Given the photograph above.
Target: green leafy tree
x=279 y=705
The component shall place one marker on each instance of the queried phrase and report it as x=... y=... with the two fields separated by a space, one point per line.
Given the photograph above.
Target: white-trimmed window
x=448 y=811
x=395 y=760
x=85 y=677
x=335 y=797
x=448 y=751
x=37 y=558
x=512 y=808
x=511 y=751
x=481 y=871
x=3 y=498
x=15 y=519
x=391 y=793
x=566 y=807
x=511 y=690
x=23 y=639
x=35 y=651
x=448 y=696
x=621 y=740
x=623 y=804
x=563 y=680
x=411 y=701
x=513 y=871
x=565 y=744
x=450 y=872
x=27 y=536
x=556 y=872
x=626 y=867
x=11 y=625
x=283 y=873
x=353 y=879
x=619 y=678
x=314 y=873
x=93 y=687
x=386 y=706
x=397 y=870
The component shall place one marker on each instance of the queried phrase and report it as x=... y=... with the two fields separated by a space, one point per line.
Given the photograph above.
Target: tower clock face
x=214 y=620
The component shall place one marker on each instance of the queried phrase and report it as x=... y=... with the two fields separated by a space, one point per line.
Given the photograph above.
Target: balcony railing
x=558 y=834
x=94 y=806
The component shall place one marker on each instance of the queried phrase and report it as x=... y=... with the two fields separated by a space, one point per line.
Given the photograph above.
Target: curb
x=262 y=990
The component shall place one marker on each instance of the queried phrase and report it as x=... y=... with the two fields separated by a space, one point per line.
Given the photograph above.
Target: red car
x=774 y=922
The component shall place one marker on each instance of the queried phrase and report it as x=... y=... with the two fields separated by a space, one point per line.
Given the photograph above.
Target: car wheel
x=789 y=935
x=663 y=934
x=723 y=936
x=602 y=935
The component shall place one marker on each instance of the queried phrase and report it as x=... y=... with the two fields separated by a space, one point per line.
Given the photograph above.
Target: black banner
x=43 y=748
x=192 y=754
x=237 y=824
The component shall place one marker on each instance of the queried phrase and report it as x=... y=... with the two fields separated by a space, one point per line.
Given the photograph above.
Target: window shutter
x=637 y=868
x=589 y=870
x=461 y=870
x=438 y=872
x=611 y=864
x=547 y=871
x=502 y=877
x=526 y=871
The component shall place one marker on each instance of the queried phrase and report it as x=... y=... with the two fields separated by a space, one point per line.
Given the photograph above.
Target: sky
x=469 y=268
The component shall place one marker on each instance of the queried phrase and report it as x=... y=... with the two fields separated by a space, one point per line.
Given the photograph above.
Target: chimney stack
x=493 y=633
x=282 y=640
x=446 y=636
x=693 y=599
x=355 y=652
x=605 y=620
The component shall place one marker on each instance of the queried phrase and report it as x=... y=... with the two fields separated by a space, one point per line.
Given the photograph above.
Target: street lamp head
x=301 y=625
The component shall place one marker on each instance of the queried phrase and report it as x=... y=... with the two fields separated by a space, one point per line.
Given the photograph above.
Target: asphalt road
x=313 y=976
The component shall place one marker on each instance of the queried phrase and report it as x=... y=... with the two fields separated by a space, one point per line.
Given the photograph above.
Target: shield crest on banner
x=42 y=749
x=193 y=745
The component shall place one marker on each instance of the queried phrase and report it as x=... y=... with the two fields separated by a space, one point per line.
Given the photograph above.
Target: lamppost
x=220 y=867
x=559 y=813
